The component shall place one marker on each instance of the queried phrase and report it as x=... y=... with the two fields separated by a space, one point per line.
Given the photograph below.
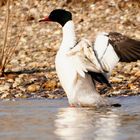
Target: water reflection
x=85 y=123
x=38 y=119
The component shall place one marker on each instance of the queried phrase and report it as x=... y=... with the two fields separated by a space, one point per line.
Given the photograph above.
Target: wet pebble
x=5 y=87
x=33 y=88
x=116 y=80
x=137 y=74
x=50 y=85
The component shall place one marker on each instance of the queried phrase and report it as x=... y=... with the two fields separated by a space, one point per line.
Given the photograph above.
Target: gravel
x=31 y=71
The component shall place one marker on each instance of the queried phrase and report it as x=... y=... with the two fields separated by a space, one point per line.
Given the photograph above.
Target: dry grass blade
x=8 y=47
x=5 y=38
x=10 y=35
x=12 y=49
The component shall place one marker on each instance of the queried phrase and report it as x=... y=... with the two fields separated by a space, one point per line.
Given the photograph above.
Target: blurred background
x=35 y=50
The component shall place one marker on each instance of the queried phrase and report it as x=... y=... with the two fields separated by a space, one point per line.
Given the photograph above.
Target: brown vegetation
x=8 y=48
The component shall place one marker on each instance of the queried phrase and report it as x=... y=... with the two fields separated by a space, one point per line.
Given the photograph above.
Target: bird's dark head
x=59 y=15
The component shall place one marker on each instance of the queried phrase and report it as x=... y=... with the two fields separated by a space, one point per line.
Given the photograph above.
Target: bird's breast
x=79 y=90
x=66 y=72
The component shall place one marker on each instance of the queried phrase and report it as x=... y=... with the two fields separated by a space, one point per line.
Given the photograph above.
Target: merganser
x=79 y=65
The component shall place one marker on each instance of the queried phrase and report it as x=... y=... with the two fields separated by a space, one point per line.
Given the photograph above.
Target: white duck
x=78 y=66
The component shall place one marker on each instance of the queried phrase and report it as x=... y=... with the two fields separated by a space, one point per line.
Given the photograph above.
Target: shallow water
x=54 y=120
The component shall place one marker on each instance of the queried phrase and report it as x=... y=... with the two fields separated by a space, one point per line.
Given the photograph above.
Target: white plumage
x=78 y=65
x=105 y=52
x=72 y=64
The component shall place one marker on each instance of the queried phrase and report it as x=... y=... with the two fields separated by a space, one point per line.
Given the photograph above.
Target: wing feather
x=85 y=61
x=84 y=58
x=126 y=48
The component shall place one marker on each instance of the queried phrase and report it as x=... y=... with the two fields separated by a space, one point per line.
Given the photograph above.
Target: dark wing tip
x=127 y=49
x=100 y=77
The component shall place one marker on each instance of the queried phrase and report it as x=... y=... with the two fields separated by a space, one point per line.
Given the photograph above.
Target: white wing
x=105 y=52
x=84 y=59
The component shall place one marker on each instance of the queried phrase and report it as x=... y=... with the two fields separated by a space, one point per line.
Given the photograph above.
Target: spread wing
x=86 y=62
x=126 y=48
x=105 y=52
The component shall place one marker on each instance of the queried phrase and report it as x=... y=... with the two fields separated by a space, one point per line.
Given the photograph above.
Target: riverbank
x=31 y=71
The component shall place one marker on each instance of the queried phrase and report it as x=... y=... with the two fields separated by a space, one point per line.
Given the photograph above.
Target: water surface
x=54 y=120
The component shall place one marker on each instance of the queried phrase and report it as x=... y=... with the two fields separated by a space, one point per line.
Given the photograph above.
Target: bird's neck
x=69 y=38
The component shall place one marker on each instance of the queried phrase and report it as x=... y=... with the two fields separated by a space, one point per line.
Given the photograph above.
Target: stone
x=5 y=95
x=137 y=74
x=5 y=87
x=33 y=88
x=132 y=86
x=17 y=82
x=22 y=88
x=50 y=85
x=51 y=96
x=18 y=95
x=116 y=80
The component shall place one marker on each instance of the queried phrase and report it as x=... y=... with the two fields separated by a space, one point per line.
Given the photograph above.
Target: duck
x=79 y=64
